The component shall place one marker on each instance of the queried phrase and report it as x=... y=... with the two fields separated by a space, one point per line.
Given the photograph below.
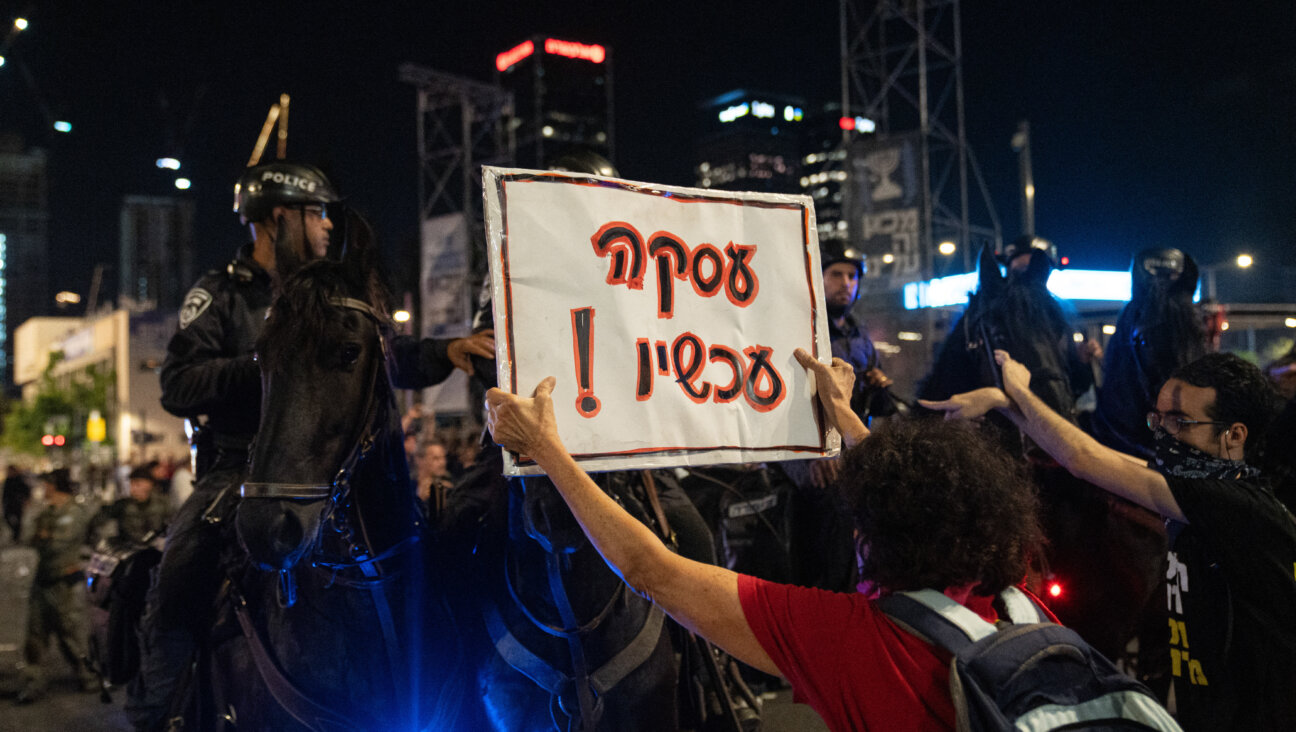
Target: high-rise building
x=24 y=243
x=157 y=256
x=562 y=98
x=750 y=141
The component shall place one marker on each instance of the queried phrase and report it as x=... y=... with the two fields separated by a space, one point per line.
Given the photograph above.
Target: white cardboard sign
x=668 y=315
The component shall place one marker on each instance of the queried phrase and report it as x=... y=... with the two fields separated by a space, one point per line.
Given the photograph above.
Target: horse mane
x=1020 y=307
x=302 y=318
x=1161 y=303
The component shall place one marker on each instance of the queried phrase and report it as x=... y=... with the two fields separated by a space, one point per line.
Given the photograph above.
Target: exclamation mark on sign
x=583 y=348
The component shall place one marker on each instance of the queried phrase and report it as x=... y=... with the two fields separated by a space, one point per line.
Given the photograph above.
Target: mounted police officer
x=211 y=373
x=1030 y=256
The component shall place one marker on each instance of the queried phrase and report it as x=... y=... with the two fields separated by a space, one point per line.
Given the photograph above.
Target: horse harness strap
x=306 y=491
x=300 y=706
x=663 y=525
x=551 y=679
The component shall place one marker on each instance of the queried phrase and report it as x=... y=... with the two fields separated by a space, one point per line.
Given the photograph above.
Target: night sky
x=1152 y=123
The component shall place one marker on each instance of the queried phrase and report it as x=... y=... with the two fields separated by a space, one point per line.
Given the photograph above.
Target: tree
x=26 y=421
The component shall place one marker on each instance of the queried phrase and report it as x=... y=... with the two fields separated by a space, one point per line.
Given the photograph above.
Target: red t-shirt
x=848 y=661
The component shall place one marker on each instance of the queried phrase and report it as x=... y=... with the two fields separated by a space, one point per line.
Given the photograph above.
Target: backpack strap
x=936 y=618
x=1021 y=608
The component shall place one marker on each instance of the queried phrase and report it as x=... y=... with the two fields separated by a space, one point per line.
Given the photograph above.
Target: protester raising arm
x=702 y=597
x=1076 y=451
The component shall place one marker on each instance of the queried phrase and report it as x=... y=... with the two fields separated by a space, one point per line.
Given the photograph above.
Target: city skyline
x=1151 y=125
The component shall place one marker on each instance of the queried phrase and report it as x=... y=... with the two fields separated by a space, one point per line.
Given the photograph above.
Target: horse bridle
x=284 y=690
x=342 y=480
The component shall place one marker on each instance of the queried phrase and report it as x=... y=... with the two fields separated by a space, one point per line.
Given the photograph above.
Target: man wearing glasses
x=1231 y=575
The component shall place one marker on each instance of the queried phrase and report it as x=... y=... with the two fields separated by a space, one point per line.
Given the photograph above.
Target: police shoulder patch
x=194 y=304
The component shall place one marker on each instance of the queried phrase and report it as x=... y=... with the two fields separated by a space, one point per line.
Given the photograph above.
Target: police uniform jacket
x=209 y=367
x=137 y=519
x=60 y=533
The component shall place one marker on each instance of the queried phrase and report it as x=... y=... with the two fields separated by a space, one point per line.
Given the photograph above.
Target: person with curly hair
x=934 y=504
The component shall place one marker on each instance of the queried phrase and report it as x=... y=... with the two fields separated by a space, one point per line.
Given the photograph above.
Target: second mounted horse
x=565 y=644
x=1099 y=557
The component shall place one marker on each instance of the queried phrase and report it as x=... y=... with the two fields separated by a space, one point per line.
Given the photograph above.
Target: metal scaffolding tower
x=462 y=125
x=902 y=68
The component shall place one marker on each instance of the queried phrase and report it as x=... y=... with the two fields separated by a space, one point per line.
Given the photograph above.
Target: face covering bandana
x=1185 y=461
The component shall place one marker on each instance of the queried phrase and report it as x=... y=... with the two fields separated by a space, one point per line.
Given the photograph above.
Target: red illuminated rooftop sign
x=569 y=49
x=513 y=55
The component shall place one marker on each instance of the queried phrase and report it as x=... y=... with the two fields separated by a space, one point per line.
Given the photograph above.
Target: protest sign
x=668 y=315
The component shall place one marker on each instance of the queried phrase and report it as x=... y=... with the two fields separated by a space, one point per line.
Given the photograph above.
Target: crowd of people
x=64 y=521
x=915 y=504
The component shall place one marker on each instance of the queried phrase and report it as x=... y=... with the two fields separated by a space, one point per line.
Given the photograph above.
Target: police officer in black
x=843 y=269
x=210 y=375
x=821 y=545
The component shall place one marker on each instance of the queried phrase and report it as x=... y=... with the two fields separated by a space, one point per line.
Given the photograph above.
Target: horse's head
x=1162 y=330
x=1016 y=313
x=1156 y=333
x=325 y=401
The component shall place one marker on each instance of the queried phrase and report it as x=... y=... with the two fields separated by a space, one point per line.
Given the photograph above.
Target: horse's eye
x=350 y=354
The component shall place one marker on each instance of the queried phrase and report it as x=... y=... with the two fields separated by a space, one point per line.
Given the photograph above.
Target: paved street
x=66 y=708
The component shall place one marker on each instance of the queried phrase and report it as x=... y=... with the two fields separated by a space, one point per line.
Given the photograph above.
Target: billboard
x=886 y=212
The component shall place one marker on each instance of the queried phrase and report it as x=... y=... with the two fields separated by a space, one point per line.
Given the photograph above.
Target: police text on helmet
x=291 y=180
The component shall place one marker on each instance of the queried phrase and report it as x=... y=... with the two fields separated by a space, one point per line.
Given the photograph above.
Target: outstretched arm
x=701 y=597
x=1074 y=450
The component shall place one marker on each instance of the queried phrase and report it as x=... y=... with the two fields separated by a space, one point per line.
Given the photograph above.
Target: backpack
x=1030 y=674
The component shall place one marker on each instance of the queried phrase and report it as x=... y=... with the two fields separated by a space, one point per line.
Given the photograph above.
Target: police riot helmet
x=836 y=252
x=1169 y=266
x=584 y=160
x=262 y=188
x=1026 y=244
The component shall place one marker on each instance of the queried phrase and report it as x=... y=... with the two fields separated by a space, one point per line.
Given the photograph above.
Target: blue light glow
x=1068 y=284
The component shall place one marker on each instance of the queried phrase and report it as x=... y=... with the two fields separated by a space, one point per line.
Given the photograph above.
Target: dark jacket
x=210 y=370
x=209 y=367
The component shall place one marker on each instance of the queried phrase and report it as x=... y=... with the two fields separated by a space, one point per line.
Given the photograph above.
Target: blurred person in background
x=58 y=599
x=433 y=476
x=141 y=515
x=17 y=491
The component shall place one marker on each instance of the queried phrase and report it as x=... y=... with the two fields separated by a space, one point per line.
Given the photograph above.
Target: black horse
x=1016 y=314
x=1158 y=331
x=564 y=643
x=1101 y=553
x=329 y=623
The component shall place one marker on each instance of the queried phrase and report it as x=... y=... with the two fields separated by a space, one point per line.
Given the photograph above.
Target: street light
x=20 y=24
x=946 y=248
x=1241 y=262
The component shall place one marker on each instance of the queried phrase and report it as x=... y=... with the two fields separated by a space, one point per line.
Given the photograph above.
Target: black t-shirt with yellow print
x=1231 y=596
